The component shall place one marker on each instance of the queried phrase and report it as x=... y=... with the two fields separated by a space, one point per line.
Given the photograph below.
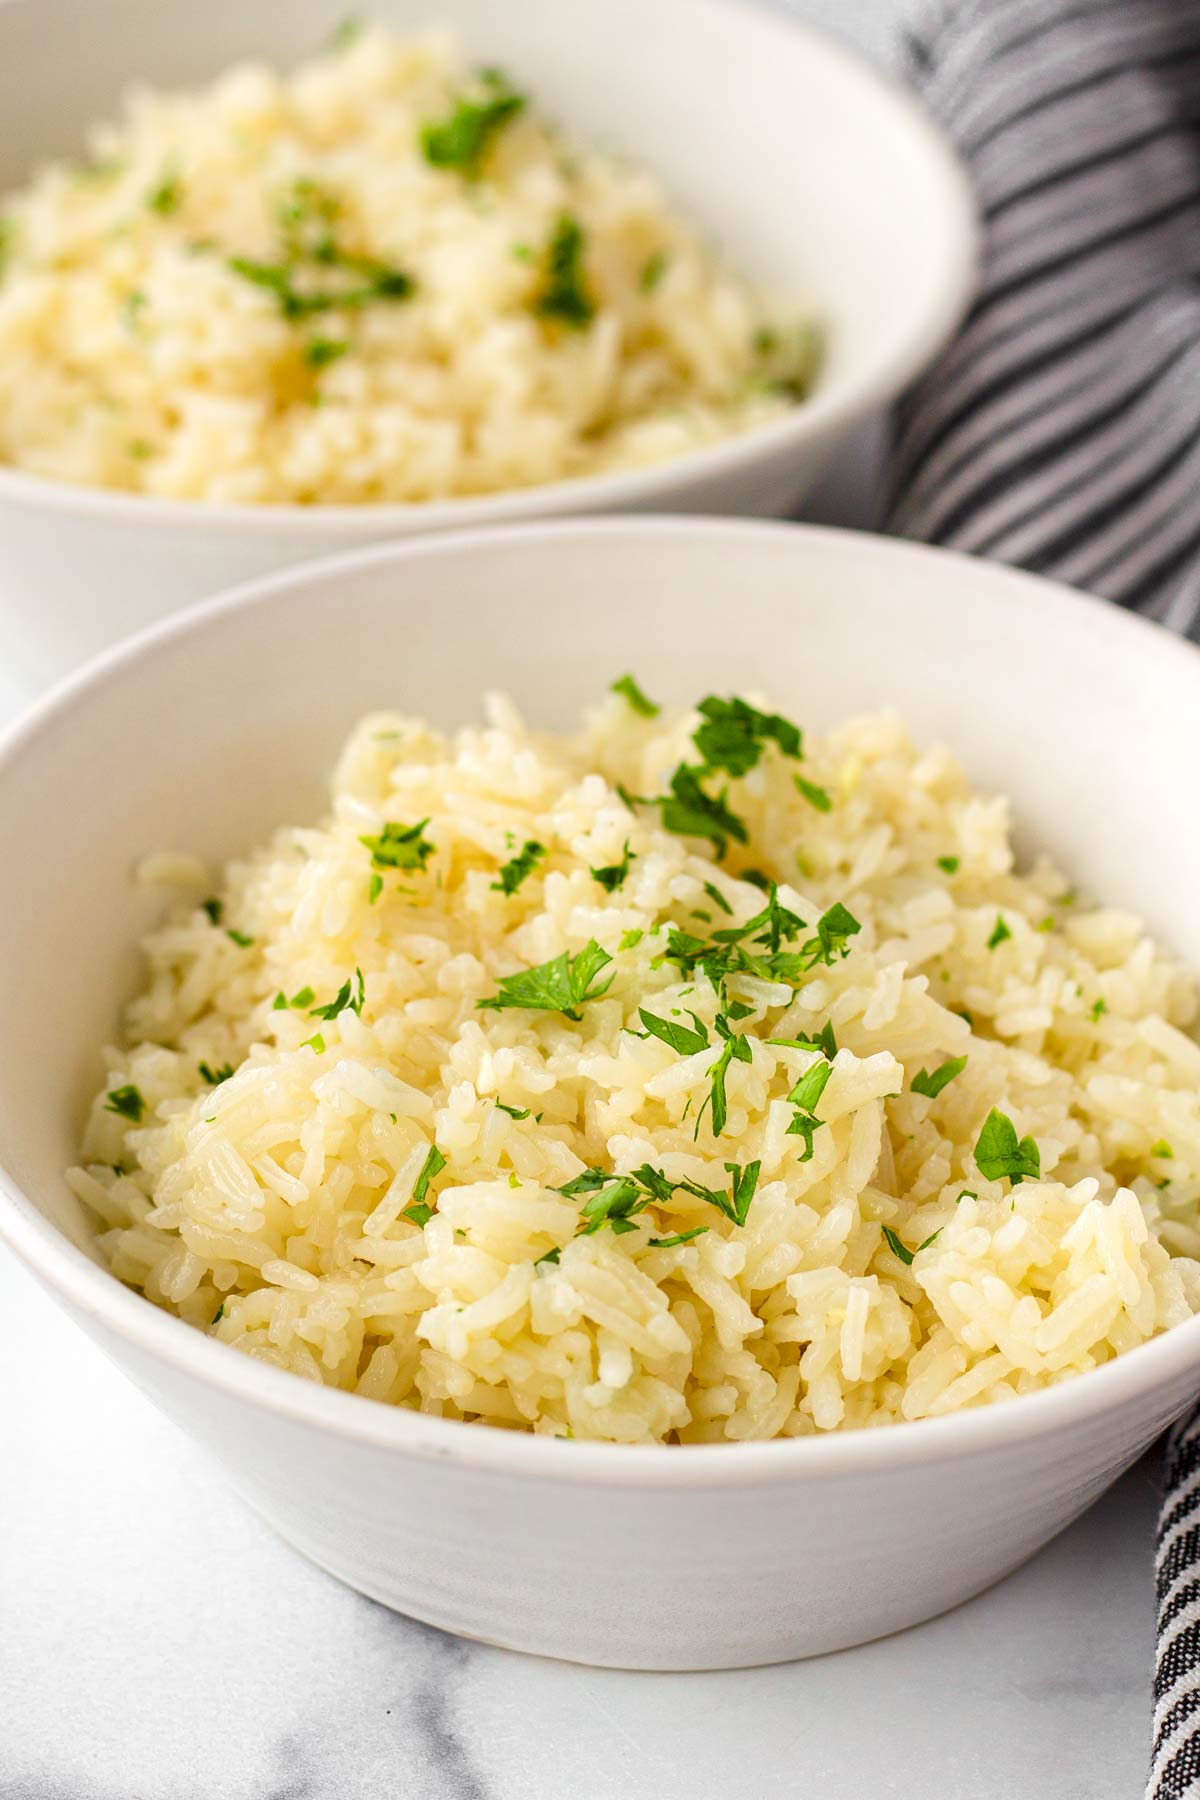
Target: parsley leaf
x=689 y=812
x=417 y=1210
x=735 y=1048
x=1162 y=1148
x=240 y=938
x=514 y=1112
x=932 y=1085
x=1000 y=931
x=463 y=140
x=612 y=875
x=166 y=196
x=629 y=939
x=998 y=1153
x=811 y=1086
x=773 y=925
x=824 y=1041
x=949 y=864
x=515 y=872
x=680 y=1237
x=718 y=899
x=629 y=690
x=127 y=1102
x=902 y=1250
x=653 y=270
x=561 y=985
x=316 y=1042
x=564 y=296
x=733 y=734
x=399 y=846
x=374 y=888
x=834 y=928
x=214 y=1077
x=214 y=909
x=319 y=352
x=736 y=1204
x=816 y=796
x=300 y=999
x=343 y=1000
x=680 y=1038
x=1098 y=1007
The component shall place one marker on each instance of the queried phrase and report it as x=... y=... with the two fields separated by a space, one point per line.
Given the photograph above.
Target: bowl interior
x=218 y=727
x=816 y=176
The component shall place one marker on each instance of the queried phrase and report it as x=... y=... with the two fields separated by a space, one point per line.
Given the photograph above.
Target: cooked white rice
x=884 y=1278
x=135 y=355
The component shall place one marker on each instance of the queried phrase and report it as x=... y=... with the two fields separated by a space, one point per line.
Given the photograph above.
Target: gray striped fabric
x=1061 y=430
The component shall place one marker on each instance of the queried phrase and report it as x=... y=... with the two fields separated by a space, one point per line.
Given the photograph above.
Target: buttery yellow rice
x=379 y=277
x=268 y=1171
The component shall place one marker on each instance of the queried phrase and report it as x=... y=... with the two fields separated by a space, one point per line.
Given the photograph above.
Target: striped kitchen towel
x=1061 y=429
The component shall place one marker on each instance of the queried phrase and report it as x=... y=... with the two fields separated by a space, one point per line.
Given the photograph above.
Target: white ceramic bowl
x=221 y=724
x=816 y=175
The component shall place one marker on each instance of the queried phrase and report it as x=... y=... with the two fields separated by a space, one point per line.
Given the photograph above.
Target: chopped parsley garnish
x=629 y=939
x=612 y=875
x=902 y=1250
x=315 y=1042
x=967 y=1194
x=736 y=1204
x=932 y=1085
x=241 y=938
x=824 y=1041
x=374 y=887
x=733 y=734
x=948 y=864
x=653 y=270
x=417 y=1210
x=718 y=899
x=804 y=1097
x=629 y=690
x=214 y=1077
x=680 y=1038
x=514 y=1112
x=514 y=872
x=126 y=1101
x=399 y=846
x=564 y=296
x=319 y=352
x=680 y=1237
x=1098 y=1007
x=735 y=1048
x=300 y=999
x=167 y=196
x=214 y=909
x=834 y=928
x=1000 y=931
x=550 y=1259
x=772 y=926
x=999 y=1154
x=816 y=796
x=562 y=985
x=1162 y=1148
x=690 y=812
x=345 y=998
x=463 y=140
x=219 y=1314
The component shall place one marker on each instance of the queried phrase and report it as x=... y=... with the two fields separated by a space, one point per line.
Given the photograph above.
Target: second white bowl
x=818 y=178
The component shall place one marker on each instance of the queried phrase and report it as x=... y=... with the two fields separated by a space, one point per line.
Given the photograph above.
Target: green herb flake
x=433 y=1165
x=319 y=352
x=689 y=811
x=1099 y=1007
x=241 y=938
x=374 y=887
x=629 y=690
x=998 y=1154
x=816 y=796
x=735 y=1205
x=1162 y=1148
x=734 y=733
x=219 y=1314
x=214 y=1077
x=902 y=1250
x=166 y=197
x=629 y=939
x=347 y=998
x=834 y=930
x=563 y=296
x=399 y=846
x=513 y=873
x=653 y=270
x=514 y=1112
x=967 y=1194
x=214 y=909
x=679 y=1038
x=550 y=1260
x=315 y=1042
x=612 y=875
x=418 y=1212
x=562 y=985
x=680 y=1237
x=127 y=1103
x=718 y=899
x=1000 y=932
x=948 y=864
x=463 y=140
x=932 y=1085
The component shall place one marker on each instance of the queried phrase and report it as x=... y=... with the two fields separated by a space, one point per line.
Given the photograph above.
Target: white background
x=157 y=1642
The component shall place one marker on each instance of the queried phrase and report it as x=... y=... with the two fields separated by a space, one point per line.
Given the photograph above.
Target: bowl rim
x=91 y=1290
x=847 y=399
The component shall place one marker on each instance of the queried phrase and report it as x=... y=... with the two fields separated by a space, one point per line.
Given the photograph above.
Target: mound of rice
x=377 y=278
x=262 y=1153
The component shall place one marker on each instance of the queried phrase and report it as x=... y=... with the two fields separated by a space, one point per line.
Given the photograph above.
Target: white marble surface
x=158 y=1643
